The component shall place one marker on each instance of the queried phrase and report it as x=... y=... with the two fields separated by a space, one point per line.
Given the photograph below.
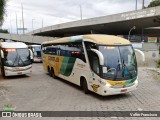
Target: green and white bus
x=15 y=59
x=103 y=64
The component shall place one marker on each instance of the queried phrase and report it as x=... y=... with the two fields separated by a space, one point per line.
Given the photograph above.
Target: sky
x=42 y=13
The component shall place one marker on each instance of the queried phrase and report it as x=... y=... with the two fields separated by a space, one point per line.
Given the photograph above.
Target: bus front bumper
x=12 y=71
x=37 y=60
x=105 y=91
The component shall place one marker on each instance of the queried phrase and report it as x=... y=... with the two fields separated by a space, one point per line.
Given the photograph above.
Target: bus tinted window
x=67 y=49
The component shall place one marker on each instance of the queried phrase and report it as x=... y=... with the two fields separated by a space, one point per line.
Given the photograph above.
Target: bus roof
x=13 y=45
x=96 y=38
x=34 y=45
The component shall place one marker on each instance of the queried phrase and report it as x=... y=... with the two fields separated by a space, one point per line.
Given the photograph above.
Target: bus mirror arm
x=100 y=55
x=31 y=54
x=2 y=54
x=142 y=54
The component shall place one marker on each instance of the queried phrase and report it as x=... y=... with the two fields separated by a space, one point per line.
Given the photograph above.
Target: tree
x=154 y=3
x=2 y=11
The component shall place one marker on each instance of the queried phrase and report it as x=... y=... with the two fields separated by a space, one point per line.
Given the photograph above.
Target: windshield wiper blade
x=15 y=59
x=21 y=60
x=118 y=68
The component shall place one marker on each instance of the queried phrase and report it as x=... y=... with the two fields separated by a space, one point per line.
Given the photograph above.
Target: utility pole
x=16 y=24
x=142 y=4
x=81 y=11
x=136 y=5
x=32 y=25
x=10 y=25
x=20 y=26
x=42 y=23
x=22 y=18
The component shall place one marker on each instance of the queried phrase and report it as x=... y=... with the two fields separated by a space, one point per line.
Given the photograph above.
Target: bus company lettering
x=118 y=83
x=80 y=65
x=50 y=58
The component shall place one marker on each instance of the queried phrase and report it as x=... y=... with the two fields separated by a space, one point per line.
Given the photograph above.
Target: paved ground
x=40 y=92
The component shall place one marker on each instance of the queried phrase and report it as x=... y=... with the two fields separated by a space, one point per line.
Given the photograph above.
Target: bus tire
x=85 y=86
x=52 y=73
x=3 y=73
x=49 y=71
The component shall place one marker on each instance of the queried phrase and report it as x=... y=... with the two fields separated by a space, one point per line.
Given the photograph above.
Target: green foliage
x=2 y=11
x=154 y=3
x=3 y=31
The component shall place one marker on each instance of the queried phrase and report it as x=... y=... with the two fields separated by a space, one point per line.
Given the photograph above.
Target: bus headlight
x=108 y=85
x=102 y=82
x=136 y=82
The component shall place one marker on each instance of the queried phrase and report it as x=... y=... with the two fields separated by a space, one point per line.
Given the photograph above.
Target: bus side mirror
x=31 y=54
x=141 y=53
x=100 y=55
x=2 y=54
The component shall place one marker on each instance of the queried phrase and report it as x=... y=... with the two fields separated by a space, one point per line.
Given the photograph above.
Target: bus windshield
x=17 y=57
x=119 y=62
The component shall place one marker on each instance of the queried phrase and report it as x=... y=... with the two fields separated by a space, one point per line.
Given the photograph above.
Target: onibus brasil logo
x=9 y=111
x=8 y=108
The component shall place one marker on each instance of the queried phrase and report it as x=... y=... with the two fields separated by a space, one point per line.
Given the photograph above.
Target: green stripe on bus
x=67 y=65
x=131 y=80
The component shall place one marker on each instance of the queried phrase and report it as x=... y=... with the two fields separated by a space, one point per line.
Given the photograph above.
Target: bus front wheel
x=85 y=87
x=2 y=72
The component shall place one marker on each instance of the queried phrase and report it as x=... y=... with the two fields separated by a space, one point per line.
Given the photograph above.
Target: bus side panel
x=53 y=61
x=73 y=69
x=70 y=69
x=80 y=69
x=56 y=64
x=45 y=62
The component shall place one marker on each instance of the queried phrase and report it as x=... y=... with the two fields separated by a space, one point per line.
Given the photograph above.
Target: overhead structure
x=117 y=24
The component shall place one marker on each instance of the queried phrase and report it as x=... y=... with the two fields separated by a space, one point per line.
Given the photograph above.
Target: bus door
x=95 y=70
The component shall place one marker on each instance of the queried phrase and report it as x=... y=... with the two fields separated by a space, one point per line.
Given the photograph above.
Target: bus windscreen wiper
x=21 y=60
x=15 y=59
x=117 y=69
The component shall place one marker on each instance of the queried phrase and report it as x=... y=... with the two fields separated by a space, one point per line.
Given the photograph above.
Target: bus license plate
x=124 y=90
x=19 y=73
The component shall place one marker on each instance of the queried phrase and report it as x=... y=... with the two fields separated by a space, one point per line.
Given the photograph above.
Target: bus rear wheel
x=52 y=73
x=49 y=71
x=2 y=72
x=85 y=87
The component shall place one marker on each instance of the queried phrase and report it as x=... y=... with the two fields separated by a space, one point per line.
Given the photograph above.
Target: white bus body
x=102 y=64
x=15 y=59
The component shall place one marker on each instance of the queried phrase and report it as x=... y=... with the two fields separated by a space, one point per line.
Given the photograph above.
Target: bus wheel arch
x=52 y=72
x=49 y=70
x=84 y=85
x=3 y=72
